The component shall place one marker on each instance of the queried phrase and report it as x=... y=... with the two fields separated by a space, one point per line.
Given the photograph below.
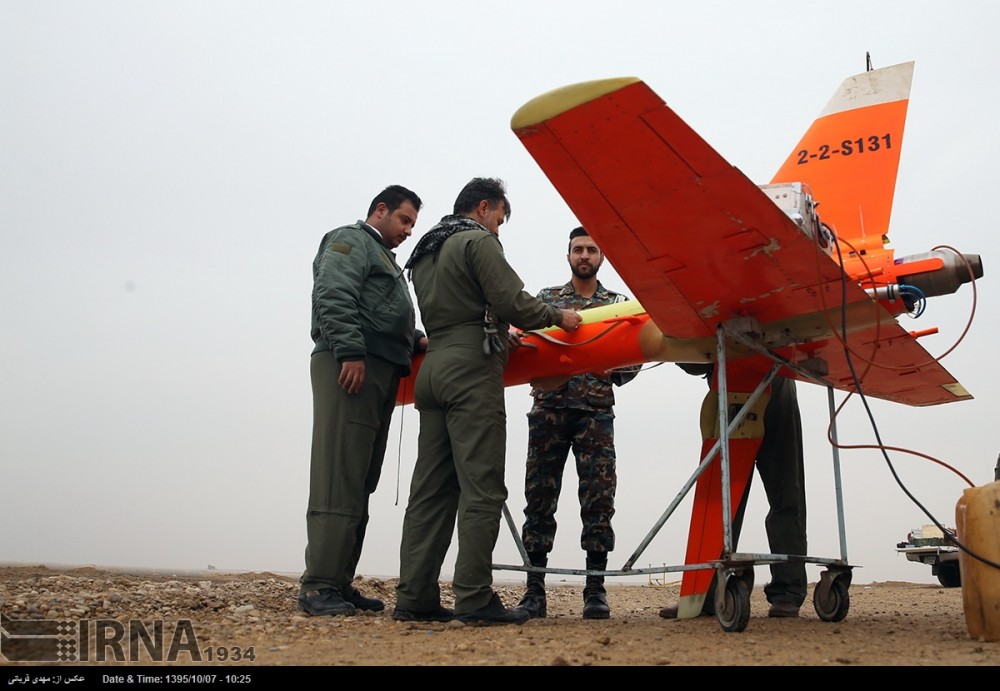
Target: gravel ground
x=212 y=615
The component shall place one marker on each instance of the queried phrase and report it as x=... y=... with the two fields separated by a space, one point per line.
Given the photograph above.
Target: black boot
x=595 y=597
x=533 y=601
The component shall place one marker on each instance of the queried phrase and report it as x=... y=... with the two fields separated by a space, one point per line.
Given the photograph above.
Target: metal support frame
x=742 y=331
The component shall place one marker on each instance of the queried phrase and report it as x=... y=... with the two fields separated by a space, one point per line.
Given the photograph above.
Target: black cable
x=878 y=437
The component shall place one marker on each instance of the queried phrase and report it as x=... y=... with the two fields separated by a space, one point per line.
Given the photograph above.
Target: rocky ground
x=254 y=615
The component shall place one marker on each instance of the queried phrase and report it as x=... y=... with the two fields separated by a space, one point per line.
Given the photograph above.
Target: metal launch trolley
x=735 y=570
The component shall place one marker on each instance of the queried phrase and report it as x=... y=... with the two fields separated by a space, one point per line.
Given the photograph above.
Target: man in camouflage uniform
x=579 y=415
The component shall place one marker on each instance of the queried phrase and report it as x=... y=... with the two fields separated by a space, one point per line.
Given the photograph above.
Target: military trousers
x=552 y=434
x=458 y=477
x=348 y=446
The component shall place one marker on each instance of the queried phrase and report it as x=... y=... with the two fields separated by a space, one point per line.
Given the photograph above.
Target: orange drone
x=794 y=278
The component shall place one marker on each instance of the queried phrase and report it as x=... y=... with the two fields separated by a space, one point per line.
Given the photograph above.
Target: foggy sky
x=167 y=170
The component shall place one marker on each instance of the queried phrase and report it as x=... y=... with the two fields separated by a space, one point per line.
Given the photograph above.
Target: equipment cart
x=735 y=570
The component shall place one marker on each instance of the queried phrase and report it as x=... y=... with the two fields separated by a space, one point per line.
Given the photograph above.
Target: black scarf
x=432 y=240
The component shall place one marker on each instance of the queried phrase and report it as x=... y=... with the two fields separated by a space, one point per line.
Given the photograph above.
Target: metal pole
x=836 y=475
x=727 y=528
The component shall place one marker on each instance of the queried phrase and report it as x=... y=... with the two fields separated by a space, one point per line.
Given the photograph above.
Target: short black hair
x=393 y=196
x=577 y=232
x=476 y=190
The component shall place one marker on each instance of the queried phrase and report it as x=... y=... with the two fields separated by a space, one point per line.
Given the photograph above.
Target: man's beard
x=589 y=272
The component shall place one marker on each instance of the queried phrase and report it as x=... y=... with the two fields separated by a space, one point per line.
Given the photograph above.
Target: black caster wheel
x=734 y=612
x=831 y=597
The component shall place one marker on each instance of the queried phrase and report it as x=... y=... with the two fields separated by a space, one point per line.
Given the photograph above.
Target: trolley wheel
x=734 y=614
x=831 y=598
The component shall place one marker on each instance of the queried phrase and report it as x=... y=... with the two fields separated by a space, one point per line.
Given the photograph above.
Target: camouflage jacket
x=585 y=391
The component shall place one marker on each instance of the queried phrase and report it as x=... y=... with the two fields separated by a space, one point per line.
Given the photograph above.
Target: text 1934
x=233 y=654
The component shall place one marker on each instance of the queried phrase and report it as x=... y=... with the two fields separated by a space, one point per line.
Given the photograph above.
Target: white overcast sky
x=167 y=170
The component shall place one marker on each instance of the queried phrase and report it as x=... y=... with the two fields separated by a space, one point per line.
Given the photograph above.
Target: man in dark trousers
x=363 y=327
x=578 y=415
x=468 y=297
x=780 y=466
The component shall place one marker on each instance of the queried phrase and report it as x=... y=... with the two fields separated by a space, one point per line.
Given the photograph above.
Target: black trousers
x=781 y=468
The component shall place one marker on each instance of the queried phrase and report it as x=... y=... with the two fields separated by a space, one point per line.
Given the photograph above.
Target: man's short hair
x=393 y=196
x=476 y=190
x=577 y=232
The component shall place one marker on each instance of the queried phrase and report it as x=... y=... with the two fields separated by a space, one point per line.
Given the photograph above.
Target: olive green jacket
x=470 y=271
x=360 y=302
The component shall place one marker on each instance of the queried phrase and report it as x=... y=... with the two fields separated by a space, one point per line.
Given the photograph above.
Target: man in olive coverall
x=363 y=326
x=468 y=296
